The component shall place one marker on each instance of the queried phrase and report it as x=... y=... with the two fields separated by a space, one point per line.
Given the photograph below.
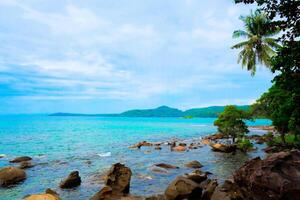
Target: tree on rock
x=231 y=122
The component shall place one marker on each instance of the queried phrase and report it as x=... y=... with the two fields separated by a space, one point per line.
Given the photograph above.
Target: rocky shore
x=275 y=177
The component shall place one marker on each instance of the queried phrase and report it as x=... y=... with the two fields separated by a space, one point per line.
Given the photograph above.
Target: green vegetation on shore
x=281 y=103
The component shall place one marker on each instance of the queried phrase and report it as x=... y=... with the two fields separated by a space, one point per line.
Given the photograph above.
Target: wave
x=106 y=154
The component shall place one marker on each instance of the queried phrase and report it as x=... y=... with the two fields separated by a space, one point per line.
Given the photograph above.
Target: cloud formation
x=122 y=52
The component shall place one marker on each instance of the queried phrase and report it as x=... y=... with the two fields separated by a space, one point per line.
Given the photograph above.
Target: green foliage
x=259 y=46
x=231 y=122
x=290 y=140
x=277 y=105
x=284 y=13
x=282 y=102
x=244 y=144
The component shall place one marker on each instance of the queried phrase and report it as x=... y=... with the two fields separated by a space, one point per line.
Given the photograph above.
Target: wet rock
x=179 y=148
x=11 y=175
x=157 y=148
x=182 y=144
x=194 y=164
x=276 y=177
x=159 y=170
x=118 y=178
x=26 y=165
x=49 y=195
x=142 y=144
x=21 y=159
x=73 y=180
x=166 y=166
x=183 y=188
x=2 y=155
x=225 y=148
x=205 y=141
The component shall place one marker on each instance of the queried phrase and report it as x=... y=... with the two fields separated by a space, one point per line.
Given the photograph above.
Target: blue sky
x=101 y=56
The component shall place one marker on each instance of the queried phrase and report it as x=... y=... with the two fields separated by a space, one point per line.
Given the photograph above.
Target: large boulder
x=49 y=195
x=118 y=178
x=73 y=180
x=276 y=177
x=11 y=175
x=225 y=148
x=183 y=188
x=194 y=164
x=21 y=159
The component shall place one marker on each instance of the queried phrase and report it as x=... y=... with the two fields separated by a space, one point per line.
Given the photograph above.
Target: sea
x=60 y=145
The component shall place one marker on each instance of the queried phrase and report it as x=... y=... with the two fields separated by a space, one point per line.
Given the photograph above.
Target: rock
x=270 y=149
x=157 y=148
x=209 y=188
x=49 y=195
x=223 y=148
x=157 y=197
x=194 y=164
x=216 y=136
x=11 y=175
x=230 y=191
x=26 y=165
x=205 y=141
x=182 y=144
x=197 y=176
x=142 y=144
x=183 y=188
x=118 y=178
x=73 y=180
x=20 y=159
x=106 y=193
x=166 y=166
x=2 y=155
x=179 y=148
x=159 y=170
x=275 y=177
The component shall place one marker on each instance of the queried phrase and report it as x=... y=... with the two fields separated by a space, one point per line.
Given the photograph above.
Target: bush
x=244 y=144
x=291 y=141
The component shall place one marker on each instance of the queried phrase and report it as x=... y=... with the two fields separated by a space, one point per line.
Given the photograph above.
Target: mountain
x=212 y=111
x=162 y=111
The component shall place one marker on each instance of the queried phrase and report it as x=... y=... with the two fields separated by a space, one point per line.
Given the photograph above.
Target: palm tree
x=259 y=46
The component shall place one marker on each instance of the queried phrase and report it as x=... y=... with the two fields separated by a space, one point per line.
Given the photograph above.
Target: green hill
x=212 y=111
x=162 y=111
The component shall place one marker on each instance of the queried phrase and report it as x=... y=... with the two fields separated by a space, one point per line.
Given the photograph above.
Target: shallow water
x=60 y=145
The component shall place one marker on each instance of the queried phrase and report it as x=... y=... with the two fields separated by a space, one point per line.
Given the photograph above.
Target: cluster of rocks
x=174 y=145
x=277 y=177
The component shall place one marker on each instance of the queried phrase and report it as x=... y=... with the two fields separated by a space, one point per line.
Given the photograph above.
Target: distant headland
x=162 y=111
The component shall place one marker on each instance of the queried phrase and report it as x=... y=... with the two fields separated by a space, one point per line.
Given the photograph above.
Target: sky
x=100 y=56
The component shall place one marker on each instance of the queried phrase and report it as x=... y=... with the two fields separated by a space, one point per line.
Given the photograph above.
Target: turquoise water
x=91 y=145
